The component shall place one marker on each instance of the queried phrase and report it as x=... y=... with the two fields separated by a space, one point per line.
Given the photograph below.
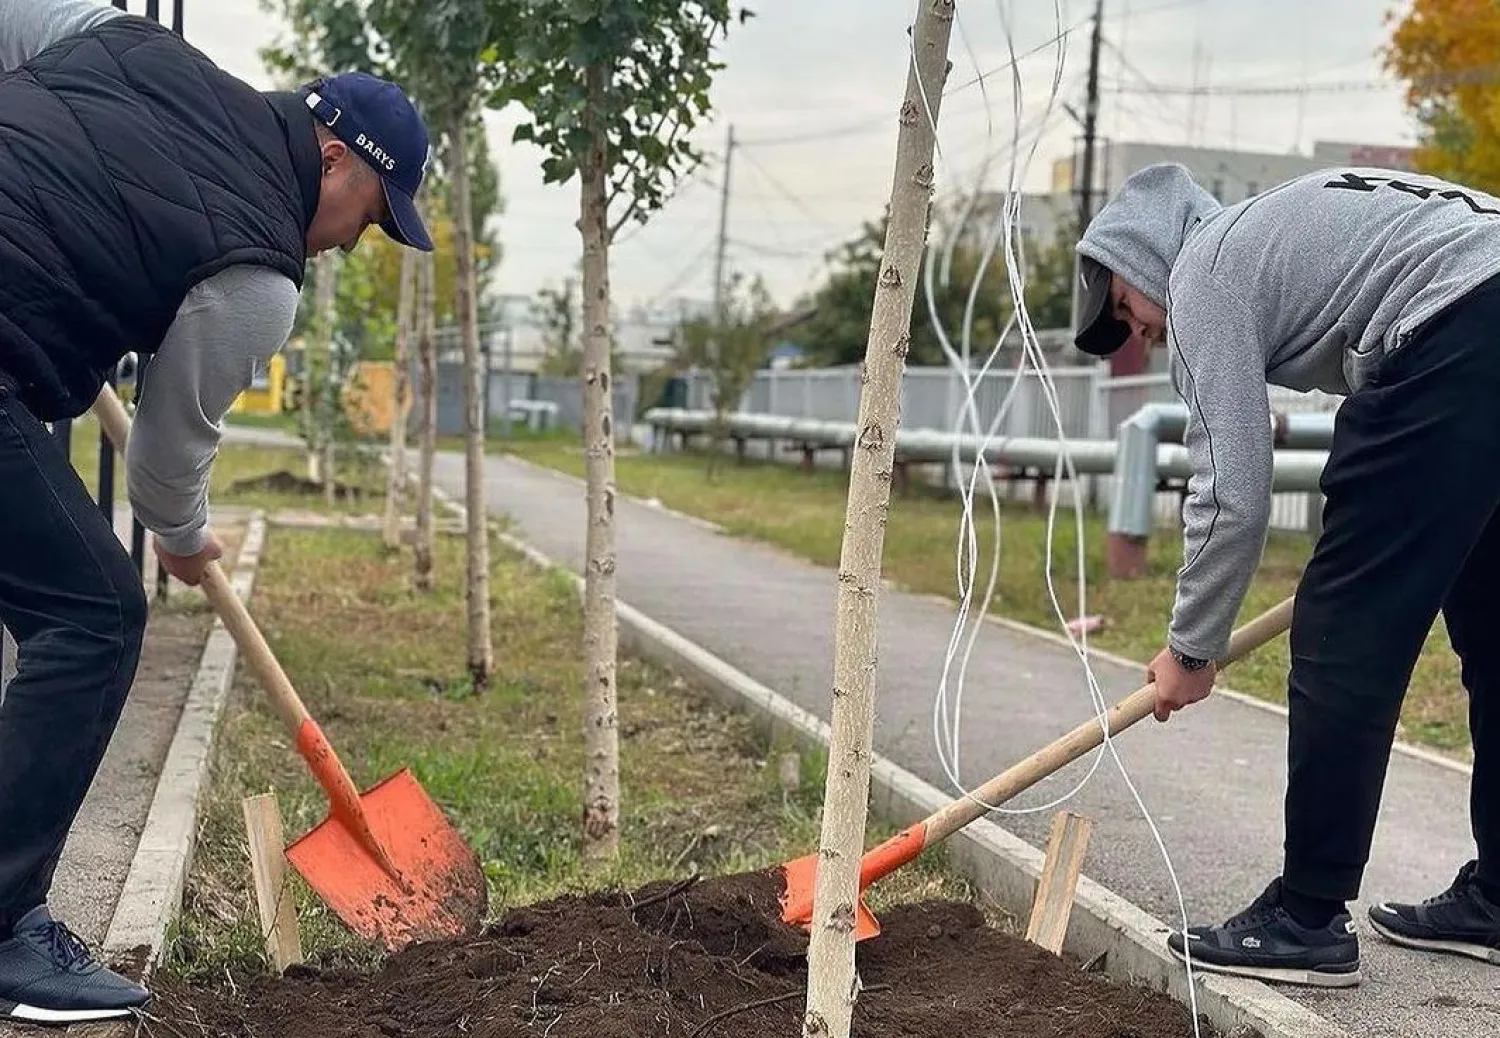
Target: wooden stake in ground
x=395 y=491
x=831 y=981
x=273 y=895
x=1055 y=890
x=601 y=807
x=481 y=650
x=426 y=321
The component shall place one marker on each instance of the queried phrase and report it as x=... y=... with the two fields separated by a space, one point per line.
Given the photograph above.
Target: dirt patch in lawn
x=283 y=482
x=711 y=961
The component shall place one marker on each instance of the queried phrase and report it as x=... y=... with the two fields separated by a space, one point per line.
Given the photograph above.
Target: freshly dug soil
x=283 y=482
x=680 y=966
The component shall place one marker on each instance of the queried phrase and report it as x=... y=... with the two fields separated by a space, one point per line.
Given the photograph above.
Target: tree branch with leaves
x=613 y=90
x=442 y=52
x=732 y=347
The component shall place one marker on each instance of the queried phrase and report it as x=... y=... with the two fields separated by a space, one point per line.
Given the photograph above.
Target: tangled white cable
x=947 y=717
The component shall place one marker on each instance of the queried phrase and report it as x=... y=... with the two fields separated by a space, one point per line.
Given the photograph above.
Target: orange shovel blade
x=441 y=892
x=800 y=877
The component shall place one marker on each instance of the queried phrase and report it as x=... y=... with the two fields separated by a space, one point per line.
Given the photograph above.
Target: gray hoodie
x=1310 y=285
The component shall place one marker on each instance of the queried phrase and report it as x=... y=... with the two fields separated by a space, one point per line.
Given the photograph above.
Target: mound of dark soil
x=283 y=482
x=713 y=961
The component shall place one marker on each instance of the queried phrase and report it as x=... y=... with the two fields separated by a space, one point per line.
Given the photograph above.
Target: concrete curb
x=153 y=888
x=1129 y=942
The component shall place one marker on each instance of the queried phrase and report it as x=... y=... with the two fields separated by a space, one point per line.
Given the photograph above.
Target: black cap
x=1100 y=332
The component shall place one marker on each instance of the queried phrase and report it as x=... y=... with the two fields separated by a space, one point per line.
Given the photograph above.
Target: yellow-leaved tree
x=1447 y=52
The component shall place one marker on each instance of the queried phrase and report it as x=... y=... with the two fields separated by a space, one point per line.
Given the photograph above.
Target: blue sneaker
x=47 y=976
x=1265 y=943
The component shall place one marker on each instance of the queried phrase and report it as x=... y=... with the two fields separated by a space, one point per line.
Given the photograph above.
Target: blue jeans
x=74 y=603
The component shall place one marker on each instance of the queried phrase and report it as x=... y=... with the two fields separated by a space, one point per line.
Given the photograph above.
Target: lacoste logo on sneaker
x=1251 y=942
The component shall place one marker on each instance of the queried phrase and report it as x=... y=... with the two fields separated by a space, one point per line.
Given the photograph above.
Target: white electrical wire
x=947 y=720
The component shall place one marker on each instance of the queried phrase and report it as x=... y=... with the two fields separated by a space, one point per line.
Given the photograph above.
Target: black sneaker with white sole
x=1265 y=943
x=47 y=976
x=1459 y=920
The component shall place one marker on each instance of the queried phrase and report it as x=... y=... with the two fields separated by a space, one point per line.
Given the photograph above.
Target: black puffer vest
x=132 y=168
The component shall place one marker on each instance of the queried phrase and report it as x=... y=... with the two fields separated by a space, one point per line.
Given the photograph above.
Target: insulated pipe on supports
x=1139 y=470
x=1294 y=470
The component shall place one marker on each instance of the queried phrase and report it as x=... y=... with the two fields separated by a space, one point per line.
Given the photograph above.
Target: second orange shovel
x=800 y=875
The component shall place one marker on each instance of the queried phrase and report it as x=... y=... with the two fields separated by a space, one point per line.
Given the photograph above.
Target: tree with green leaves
x=613 y=89
x=557 y=310
x=442 y=51
x=732 y=346
x=837 y=331
x=395 y=490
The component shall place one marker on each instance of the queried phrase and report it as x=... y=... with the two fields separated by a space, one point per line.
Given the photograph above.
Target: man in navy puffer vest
x=149 y=203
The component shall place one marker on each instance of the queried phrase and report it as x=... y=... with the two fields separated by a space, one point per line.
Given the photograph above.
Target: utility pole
x=1090 y=132
x=723 y=228
x=1090 y=127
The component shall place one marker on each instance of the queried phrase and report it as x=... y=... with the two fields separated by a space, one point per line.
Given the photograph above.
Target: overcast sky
x=810 y=87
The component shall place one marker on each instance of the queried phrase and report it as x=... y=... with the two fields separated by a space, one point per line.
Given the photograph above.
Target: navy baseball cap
x=378 y=120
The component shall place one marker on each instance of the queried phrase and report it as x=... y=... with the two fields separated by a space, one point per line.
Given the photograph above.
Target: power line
x=884 y=121
x=781 y=188
x=1347 y=86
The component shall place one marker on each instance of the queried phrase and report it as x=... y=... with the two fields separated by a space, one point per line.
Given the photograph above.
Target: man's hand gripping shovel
x=387 y=861
x=800 y=875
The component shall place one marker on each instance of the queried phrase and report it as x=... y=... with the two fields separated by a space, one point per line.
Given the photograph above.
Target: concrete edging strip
x=1005 y=867
x=153 y=888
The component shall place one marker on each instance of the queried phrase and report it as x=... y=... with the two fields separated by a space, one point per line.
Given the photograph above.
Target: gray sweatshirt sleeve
x=226 y=330
x=1220 y=371
x=28 y=27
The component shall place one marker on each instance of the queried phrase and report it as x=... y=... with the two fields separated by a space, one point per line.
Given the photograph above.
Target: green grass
x=803 y=513
x=235 y=469
x=383 y=670
x=285 y=422
x=496 y=441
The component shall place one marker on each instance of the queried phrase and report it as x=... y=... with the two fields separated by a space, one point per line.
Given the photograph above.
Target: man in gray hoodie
x=1384 y=287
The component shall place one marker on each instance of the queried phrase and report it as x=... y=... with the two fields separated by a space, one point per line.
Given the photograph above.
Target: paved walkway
x=1212 y=778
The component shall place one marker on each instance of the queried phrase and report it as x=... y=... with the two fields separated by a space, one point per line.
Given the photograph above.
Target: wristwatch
x=1187 y=662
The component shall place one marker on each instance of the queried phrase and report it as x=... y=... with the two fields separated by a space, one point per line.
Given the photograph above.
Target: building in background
x=516 y=336
x=1229 y=175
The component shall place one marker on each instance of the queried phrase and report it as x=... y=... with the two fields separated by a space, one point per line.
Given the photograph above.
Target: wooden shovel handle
x=1087 y=736
x=116 y=424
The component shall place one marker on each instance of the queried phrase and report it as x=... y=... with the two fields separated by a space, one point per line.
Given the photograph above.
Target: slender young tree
x=426 y=324
x=400 y=400
x=613 y=89
x=441 y=51
x=831 y=980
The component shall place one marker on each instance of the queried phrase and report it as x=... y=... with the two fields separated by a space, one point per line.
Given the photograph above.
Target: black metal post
x=63 y=430
x=107 y=471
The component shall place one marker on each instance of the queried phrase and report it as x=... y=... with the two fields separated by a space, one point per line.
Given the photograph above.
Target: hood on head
x=1139 y=232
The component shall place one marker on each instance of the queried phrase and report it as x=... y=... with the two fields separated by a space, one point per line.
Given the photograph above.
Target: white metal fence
x=1089 y=405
